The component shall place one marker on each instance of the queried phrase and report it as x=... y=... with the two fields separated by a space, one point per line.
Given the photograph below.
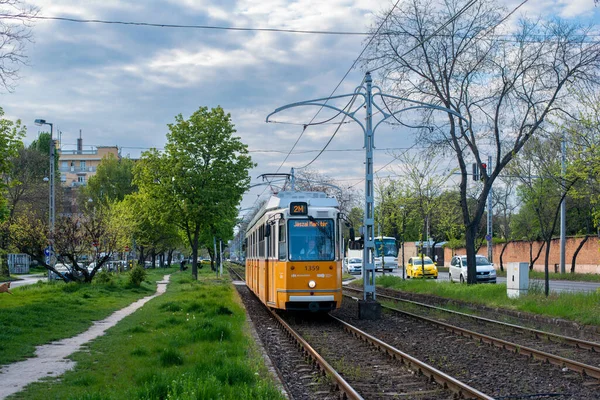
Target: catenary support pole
x=489 y=216
x=563 y=205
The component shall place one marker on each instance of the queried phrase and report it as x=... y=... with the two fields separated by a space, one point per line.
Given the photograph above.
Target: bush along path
x=50 y=360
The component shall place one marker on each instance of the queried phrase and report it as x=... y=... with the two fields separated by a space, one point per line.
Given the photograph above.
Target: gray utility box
x=517 y=279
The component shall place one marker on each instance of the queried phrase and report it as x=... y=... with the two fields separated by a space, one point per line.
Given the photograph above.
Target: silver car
x=353 y=265
x=486 y=273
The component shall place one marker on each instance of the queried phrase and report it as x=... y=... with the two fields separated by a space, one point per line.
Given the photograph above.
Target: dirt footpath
x=50 y=359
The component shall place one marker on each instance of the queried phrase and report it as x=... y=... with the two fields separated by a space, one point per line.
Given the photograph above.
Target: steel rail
x=579 y=343
x=584 y=369
x=446 y=381
x=341 y=384
x=461 y=389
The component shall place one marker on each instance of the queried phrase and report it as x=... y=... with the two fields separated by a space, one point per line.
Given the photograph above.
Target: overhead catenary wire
x=504 y=37
x=334 y=90
x=338 y=85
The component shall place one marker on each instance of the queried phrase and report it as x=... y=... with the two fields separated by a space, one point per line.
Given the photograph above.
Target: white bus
x=386 y=252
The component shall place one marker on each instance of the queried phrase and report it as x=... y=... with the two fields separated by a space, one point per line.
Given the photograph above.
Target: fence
x=19 y=263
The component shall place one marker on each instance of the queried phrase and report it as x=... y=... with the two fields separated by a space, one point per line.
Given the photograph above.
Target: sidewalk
x=50 y=359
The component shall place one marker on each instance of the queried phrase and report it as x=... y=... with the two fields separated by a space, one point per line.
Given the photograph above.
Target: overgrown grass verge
x=45 y=312
x=581 y=307
x=189 y=343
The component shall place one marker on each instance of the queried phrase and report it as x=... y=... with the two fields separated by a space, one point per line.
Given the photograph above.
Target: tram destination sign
x=298 y=208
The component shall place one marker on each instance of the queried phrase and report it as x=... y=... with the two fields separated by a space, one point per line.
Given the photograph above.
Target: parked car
x=414 y=268
x=353 y=265
x=486 y=273
x=62 y=269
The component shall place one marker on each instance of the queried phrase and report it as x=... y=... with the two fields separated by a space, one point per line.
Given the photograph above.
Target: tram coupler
x=369 y=309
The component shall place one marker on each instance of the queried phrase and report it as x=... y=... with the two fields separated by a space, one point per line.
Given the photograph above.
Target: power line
x=454 y=17
x=393 y=159
x=242 y=29
x=180 y=26
x=336 y=88
x=335 y=150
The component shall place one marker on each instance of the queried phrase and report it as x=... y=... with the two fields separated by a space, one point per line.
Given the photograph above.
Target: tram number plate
x=311 y=267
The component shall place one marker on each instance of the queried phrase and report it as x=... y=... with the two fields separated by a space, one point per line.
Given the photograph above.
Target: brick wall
x=588 y=259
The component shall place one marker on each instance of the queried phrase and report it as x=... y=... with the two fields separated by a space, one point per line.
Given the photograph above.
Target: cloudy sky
x=122 y=84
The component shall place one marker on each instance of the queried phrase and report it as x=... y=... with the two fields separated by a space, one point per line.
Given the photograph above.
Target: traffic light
x=483 y=170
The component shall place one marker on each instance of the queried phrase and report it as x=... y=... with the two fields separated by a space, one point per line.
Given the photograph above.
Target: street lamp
x=51 y=188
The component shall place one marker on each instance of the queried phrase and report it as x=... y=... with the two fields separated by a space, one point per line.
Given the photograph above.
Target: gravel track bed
x=493 y=371
x=535 y=321
x=370 y=372
x=301 y=381
x=552 y=346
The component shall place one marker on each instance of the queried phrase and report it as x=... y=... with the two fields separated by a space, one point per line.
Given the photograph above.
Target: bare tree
x=424 y=185
x=15 y=31
x=456 y=54
x=311 y=180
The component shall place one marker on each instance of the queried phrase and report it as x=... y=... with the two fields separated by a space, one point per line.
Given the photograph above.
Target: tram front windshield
x=311 y=240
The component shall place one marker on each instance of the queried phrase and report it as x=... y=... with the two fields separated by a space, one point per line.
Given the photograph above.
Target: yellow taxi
x=414 y=269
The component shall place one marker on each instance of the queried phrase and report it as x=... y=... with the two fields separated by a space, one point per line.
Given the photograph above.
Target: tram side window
x=261 y=241
x=282 y=242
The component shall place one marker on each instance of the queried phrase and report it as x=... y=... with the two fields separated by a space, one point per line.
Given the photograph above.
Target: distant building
x=77 y=166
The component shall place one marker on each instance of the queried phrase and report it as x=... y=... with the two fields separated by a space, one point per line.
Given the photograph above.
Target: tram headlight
x=312 y=284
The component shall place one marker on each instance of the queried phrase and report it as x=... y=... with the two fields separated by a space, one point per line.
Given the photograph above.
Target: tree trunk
x=170 y=257
x=585 y=239
x=142 y=258
x=546 y=272
x=502 y=254
x=470 y=236
x=531 y=259
x=195 y=257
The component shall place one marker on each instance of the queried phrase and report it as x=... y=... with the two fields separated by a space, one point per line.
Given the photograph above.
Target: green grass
x=189 y=343
x=45 y=312
x=559 y=277
x=581 y=307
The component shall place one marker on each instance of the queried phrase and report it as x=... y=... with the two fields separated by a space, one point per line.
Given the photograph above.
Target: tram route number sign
x=298 y=208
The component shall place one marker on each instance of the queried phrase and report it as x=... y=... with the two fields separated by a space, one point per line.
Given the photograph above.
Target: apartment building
x=77 y=166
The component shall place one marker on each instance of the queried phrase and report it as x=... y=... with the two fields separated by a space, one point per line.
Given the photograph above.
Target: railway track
x=360 y=373
x=578 y=355
x=485 y=367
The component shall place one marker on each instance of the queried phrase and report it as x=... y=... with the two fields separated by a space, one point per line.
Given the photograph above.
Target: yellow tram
x=293 y=252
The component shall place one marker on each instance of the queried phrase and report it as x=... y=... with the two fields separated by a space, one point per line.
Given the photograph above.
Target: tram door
x=271 y=265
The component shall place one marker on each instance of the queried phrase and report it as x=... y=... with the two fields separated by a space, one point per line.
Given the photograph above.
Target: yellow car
x=414 y=269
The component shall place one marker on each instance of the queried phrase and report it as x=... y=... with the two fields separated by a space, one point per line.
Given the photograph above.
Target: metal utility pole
x=563 y=204
x=215 y=253
x=489 y=215
x=220 y=257
x=368 y=308
x=51 y=204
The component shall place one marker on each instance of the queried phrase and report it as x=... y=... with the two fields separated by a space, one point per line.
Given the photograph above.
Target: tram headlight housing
x=312 y=284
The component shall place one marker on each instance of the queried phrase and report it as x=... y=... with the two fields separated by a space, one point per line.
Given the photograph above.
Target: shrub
x=136 y=276
x=103 y=277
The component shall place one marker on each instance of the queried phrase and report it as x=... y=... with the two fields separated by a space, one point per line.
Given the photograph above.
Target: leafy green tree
x=543 y=188
x=506 y=90
x=112 y=182
x=11 y=134
x=200 y=178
